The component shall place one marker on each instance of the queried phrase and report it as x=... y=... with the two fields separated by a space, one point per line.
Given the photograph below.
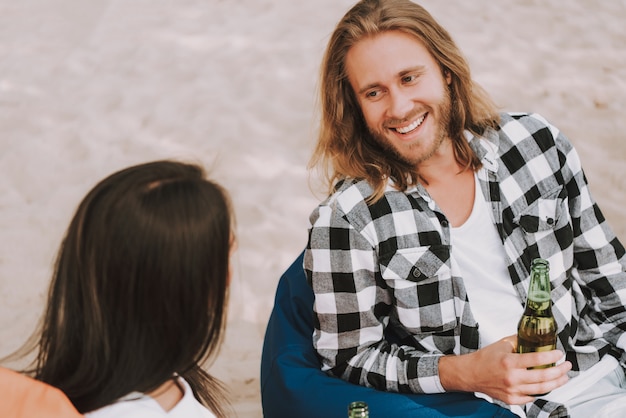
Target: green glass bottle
x=536 y=330
x=358 y=409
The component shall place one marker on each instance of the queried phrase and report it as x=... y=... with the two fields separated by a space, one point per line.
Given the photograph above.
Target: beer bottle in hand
x=358 y=409
x=536 y=330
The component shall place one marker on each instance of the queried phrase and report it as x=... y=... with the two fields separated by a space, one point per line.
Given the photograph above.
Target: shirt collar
x=485 y=147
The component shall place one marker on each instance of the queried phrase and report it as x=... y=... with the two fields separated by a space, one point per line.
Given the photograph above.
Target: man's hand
x=498 y=371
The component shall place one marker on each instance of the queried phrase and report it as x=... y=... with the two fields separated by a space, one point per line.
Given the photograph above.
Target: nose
x=400 y=104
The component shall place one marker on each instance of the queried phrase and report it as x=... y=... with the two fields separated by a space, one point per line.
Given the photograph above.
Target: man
x=419 y=259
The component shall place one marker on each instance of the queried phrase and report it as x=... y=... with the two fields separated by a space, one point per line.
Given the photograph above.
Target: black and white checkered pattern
x=385 y=269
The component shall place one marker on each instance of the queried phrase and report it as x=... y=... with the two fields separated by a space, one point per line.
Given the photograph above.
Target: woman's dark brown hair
x=140 y=287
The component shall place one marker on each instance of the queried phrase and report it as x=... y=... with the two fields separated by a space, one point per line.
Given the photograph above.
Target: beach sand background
x=87 y=88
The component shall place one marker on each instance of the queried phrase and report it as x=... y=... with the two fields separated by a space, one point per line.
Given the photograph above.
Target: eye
x=409 y=78
x=373 y=94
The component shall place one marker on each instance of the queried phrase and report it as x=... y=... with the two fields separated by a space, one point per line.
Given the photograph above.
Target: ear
x=447 y=75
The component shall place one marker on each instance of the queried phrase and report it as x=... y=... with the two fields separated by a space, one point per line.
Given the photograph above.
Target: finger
x=543 y=388
x=512 y=341
x=557 y=375
x=518 y=399
x=538 y=359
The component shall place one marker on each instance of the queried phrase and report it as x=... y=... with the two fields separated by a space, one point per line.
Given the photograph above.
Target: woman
x=138 y=298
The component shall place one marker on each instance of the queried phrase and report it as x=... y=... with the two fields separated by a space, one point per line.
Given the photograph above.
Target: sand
x=87 y=88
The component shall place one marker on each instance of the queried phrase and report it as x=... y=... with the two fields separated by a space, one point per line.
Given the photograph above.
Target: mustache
x=412 y=114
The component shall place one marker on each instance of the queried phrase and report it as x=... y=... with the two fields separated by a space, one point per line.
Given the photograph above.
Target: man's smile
x=412 y=126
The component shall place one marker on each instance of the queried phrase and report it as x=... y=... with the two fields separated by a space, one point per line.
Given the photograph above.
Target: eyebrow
x=417 y=69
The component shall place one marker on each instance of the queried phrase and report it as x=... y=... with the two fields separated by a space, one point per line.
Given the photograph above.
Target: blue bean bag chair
x=293 y=386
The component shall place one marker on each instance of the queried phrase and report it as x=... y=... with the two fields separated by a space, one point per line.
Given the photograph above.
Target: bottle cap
x=358 y=407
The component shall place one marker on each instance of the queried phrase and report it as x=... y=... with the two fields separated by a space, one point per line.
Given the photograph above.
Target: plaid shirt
x=389 y=304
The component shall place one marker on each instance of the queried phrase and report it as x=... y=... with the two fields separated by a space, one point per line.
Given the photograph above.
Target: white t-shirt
x=139 y=405
x=478 y=256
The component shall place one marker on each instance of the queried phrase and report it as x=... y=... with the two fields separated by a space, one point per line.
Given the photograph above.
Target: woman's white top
x=139 y=405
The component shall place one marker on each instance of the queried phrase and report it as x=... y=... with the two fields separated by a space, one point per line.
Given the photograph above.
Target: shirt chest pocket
x=422 y=287
x=542 y=215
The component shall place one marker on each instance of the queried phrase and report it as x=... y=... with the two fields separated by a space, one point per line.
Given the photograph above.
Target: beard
x=442 y=131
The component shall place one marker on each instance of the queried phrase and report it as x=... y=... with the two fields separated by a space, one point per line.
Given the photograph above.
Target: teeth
x=412 y=126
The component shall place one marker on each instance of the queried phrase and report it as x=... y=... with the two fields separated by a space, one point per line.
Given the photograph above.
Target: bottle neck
x=539 y=301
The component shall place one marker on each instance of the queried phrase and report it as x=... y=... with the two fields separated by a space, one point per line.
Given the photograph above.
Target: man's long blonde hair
x=345 y=147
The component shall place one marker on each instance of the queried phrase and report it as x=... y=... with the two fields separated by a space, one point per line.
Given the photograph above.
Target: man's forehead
x=385 y=56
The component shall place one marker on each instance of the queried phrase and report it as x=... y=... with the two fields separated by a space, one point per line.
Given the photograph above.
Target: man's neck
x=440 y=165
x=449 y=184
